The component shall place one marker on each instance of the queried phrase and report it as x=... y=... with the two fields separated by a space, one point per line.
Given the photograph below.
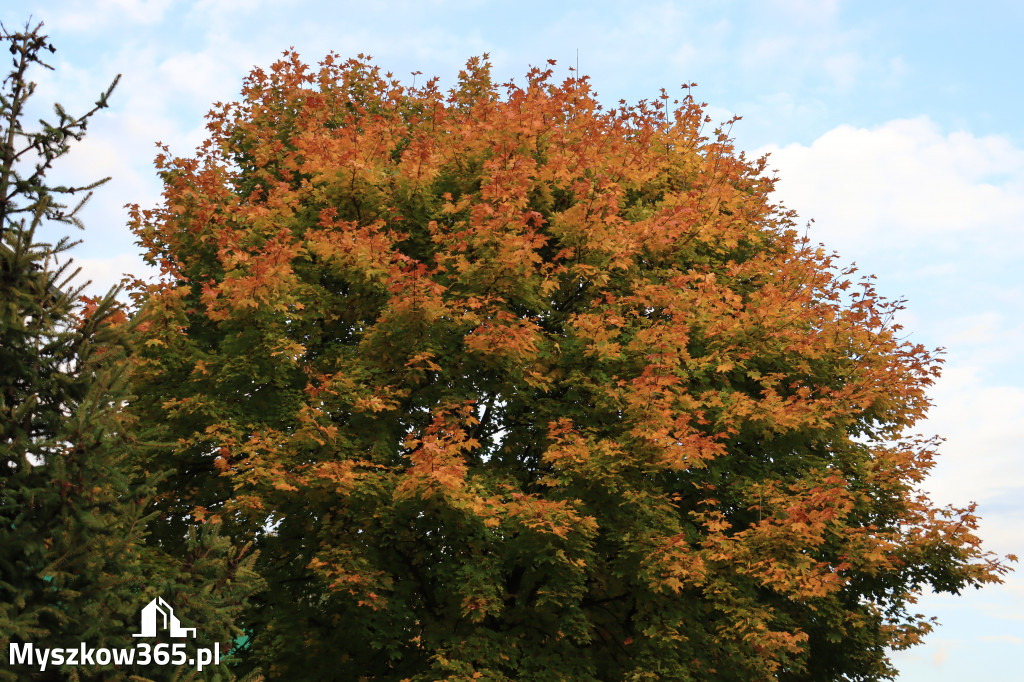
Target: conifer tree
x=75 y=565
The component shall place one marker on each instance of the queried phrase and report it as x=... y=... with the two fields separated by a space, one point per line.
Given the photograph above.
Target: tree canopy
x=507 y=385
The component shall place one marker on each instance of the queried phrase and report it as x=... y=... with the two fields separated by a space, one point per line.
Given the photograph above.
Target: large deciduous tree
x=75 y=565
x=508 y=386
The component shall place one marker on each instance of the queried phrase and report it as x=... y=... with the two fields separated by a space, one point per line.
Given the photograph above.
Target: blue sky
x=895 y=126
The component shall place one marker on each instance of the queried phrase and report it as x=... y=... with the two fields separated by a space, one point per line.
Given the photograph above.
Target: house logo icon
x=160 y=609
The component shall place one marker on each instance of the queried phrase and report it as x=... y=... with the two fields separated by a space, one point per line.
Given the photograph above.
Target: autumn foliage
x=508 y=386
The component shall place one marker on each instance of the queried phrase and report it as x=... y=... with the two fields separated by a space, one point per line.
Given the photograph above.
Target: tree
x=75 y=566
x=505 y=385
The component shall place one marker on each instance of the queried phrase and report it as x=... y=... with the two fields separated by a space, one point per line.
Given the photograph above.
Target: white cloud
x=844 y=69
x=105 y=273
x=902 y=182
x=984 y=427
x=89 y=16
x=202 y=78
x=226 y=7
x=977 y=328
x=810 y=11
x=1003 y=638
x=940 y=655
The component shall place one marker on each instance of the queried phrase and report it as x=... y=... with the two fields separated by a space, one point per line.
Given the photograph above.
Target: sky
x=895 y=127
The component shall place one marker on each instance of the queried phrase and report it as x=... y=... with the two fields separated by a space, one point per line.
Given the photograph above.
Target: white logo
x=156 y=614
x=170 y=621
